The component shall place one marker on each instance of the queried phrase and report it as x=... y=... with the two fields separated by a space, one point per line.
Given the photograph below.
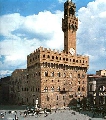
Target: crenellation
x=45 y=49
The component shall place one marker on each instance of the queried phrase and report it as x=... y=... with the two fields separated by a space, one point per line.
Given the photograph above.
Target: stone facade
x=92 y=88
x=54 y=78
x=101 y=91
x=19 y=87
x=97 y=90
x=4 y=90
x=101 y=72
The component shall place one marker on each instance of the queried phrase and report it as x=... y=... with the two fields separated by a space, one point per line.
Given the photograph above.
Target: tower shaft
x=69 y=27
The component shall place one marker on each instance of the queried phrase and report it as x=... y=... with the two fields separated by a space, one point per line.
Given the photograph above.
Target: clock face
x=72 y=51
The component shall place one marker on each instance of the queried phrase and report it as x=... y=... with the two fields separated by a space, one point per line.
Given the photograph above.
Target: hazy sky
x=26 y=25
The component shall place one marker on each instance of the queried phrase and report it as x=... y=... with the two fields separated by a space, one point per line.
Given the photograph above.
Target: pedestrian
x=20 y=113
x=46 y=114
x=16 y=118
x=93 y=115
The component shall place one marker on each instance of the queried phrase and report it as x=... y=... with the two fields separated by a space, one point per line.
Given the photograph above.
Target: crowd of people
x=45 y=114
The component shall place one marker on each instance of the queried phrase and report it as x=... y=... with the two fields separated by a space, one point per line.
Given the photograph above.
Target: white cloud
x=22 y=35
x=92 y=33
x=4 y=73
x=9 y=23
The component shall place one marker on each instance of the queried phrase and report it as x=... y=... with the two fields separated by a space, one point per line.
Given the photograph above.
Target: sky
x=26 y=25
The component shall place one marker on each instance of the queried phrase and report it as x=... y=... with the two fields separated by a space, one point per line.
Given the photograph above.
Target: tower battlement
x=53 y=56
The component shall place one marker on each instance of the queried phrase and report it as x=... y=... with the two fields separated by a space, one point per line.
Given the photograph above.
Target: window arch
x=58 y=74
x=47 y=98
x=46 y=89
x=79 y=88
x=48 y=56
x=58 y=88
x=46 y=73
x=52 y=88
x=83 y=88
x=70 y=75
x=64 y=75
x=52 y=74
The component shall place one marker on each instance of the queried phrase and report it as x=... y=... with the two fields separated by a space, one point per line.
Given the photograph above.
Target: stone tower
x=69 y=27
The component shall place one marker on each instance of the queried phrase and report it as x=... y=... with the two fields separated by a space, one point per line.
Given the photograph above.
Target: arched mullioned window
x=46 y=89
x=56 y=57
x=64 y=75
x=46 y=73
x=59 y=74
x=52 y=74
x=52 y=88
x=79 y=88
x=78 y=75
x=48 y=56
x=48 y=98
x=83 y=88
x=43 y=56
x=58 y=88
